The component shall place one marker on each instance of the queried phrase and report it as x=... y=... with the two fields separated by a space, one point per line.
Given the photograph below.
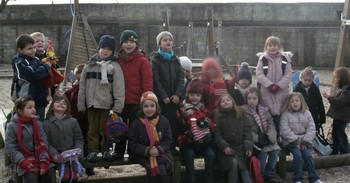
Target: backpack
x=116 y=131
x=266 y=66
x=255 y=172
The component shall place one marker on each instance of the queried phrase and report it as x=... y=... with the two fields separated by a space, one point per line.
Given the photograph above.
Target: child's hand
x=175 y=99
x=154 y=152
x=48 y=63
x=44 y=167
x=248 y=153
x=302 y=147
x=190 y=112
x=49 y=98
x=166 y=100
x=298 y=146
x=228 y=151
x=59 y=92
x=325 y=94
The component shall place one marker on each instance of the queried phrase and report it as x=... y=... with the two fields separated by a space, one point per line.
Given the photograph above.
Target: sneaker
x=92 y=157
x=318 y=181
x=272 y=180
x=106 y=156
x=90 y=171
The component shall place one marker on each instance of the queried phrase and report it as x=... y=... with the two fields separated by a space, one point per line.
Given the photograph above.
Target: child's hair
x=274 y=41
x=286 y=107
x=307 y=72
x=344 y=76
x=254 y=90
x=55 y=99
x=239 y=110
x=79 y=69
x=23 y=40
x=21 y=103
x=37 y=34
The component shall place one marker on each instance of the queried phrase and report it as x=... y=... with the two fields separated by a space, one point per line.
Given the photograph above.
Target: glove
x=44 y=167
x=274 y=88
x=26 y=165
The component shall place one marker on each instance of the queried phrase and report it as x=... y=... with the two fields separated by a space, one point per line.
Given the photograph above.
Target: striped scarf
x=218 y=88
x=259 y=117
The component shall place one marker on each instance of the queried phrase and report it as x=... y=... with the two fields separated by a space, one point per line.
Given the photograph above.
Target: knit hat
x=186 y=63
x=107 y=41
x=244 y=72
x=162 y=34
x=148 y=96
x=128 y=35
x=195 y=86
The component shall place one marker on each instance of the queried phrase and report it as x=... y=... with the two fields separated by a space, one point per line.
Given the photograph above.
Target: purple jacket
x=274 y=76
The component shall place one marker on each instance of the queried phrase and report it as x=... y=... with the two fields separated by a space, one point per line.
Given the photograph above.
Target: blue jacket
x=29 y=75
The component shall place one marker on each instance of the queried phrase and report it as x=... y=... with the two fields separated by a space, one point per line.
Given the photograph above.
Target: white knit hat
x=186 y=63
x=162 y=34
x=148 y=96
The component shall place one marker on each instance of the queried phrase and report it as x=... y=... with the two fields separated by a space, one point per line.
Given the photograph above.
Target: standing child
x=213 y=83
x=101 y=90
x=26 y=144
x=197 y=122
x=339 y=110
x=39 y=39
x=274 y=73
x=138 y=79
x=150 y=138
x=168 y=81
x=234 y=139
x=63 y=133
x=312 y=96
x=29 y=74
x=297 y=132
x=264 y=135
x=244 y=80
x=186 y=65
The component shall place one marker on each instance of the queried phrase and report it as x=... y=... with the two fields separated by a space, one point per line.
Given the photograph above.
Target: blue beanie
x=244 y=72
x=107 y=41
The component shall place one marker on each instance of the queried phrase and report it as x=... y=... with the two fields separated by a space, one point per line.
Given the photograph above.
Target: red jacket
x=137 y=74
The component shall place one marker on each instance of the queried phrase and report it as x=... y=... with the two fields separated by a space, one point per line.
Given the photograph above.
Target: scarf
x=188 y=105
x=153 y=137
x=165 y=55
x=241 y=89
x=105 y=67
x=259 y=117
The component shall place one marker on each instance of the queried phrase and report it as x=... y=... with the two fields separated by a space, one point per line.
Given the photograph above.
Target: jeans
x=269 y=169
x=298 y=157
x=340 y=139
x=209 y=157
x=233 y=173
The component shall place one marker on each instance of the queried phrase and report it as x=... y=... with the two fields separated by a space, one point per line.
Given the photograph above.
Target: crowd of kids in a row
x=165 y=108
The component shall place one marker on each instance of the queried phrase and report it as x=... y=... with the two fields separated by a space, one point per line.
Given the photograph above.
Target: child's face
x=60 y=106
x=129 y=46
x=28 y=50
x=166 y=43
x=252 y=100
x=149 y=108
x=195 y=98
x=39 y=43
x=307 y=81
x=77 y=76
x=226 y=103
x=272 y=48
x=105 y=52
x=186 y=72
x=211 y=72
x=28 y=111
x=295 y=103
x=244 y=83
x=336 y=79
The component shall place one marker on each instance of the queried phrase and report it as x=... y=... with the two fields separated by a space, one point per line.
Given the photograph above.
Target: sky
x=168 y=1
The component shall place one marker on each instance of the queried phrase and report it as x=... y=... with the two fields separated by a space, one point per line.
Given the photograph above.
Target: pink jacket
x=274 y=76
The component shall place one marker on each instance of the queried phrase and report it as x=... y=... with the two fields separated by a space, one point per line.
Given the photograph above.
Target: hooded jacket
x=340 y=104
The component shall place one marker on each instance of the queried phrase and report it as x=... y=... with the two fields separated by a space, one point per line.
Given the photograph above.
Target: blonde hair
x=239 y=110
x=79 y=69
x=37 y=34
x=273 y=40
x=307 y=72
x=286 y=107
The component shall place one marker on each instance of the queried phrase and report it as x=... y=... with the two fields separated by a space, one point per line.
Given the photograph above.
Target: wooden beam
x=189 y=48
x=166 y=25
x=218 y=38
x=210 y=33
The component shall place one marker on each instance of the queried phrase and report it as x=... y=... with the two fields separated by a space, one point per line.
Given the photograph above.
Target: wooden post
x=210 y=24
x=166 y=26
x=189 y=48
x=218 y=38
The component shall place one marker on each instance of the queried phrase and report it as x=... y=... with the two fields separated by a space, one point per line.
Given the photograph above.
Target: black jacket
x=340 y=104
x=168 y=77
x=237 y=96
x=314 y=101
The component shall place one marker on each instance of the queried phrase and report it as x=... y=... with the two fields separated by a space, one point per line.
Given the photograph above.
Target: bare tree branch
x=3 y=4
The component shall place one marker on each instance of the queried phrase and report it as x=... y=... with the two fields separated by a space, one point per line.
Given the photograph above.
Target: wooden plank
x=210 y=33
x=166 y=24
x=189 y=48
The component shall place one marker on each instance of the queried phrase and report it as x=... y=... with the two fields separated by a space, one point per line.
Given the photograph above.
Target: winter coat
x=314 y=101
x=101 y=96
x=11 y=143
x=29 y=75
x=210 y=97
x=297 y=128
x=168 y=77
x=274 y=76
x=137 y=74
x=62 y=135
x=233 y=133
x=139 y=143
x=237 y=96
x=271 y=132
x=340 y=104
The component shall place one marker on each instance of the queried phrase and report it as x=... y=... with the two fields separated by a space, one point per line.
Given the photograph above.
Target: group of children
x=165 y=109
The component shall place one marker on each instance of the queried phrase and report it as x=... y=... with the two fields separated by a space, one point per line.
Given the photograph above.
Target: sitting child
x=244 y=80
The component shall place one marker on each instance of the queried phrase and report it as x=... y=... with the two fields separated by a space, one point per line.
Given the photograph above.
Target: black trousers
x=49 y=177
x=340 y=139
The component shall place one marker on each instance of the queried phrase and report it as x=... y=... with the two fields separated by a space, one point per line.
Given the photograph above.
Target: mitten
x=44 y=167
x=274 y=88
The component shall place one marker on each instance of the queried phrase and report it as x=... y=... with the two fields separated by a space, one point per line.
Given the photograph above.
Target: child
x=194 y=109
x=39 y=39
x=274 y=73
x=150 y=138
x=168 y=81
x=264 y=135
x=186 y=65
x=312 y=96
x=297 y=132
x=63 y=133
x=339 y=110
x=234 y=139
x=213 y=83
x=26 y=144
x=29 y=74
x=138 y=79
x=244 y=80
x=101 y=89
